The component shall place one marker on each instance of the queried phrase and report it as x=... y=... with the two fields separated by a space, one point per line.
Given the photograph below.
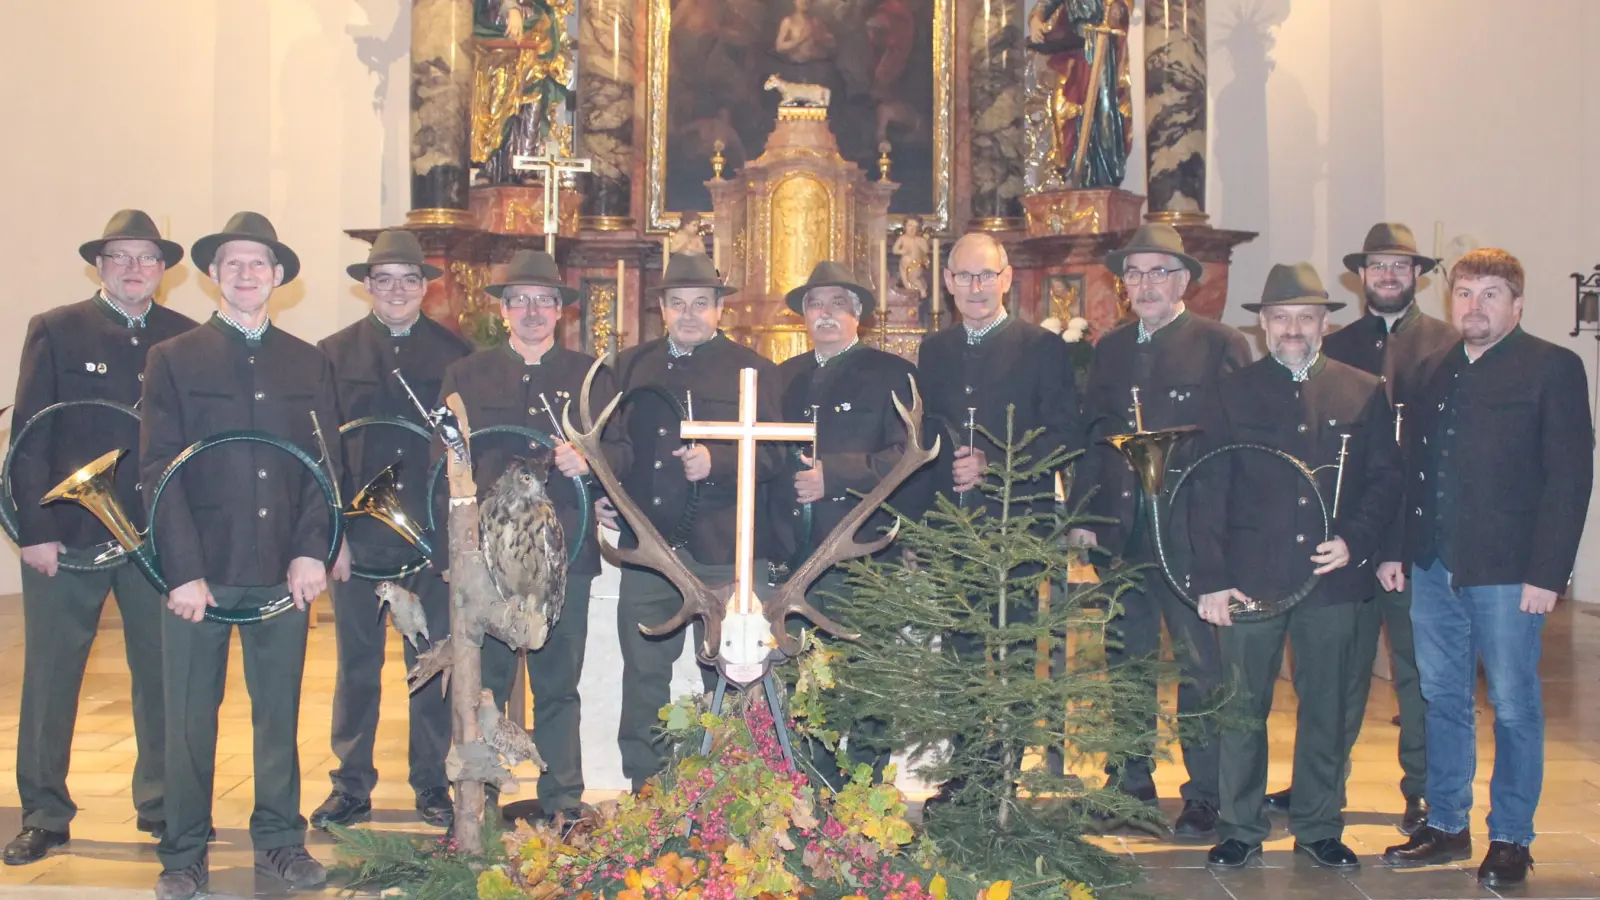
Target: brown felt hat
x=394 y=246
x=690 y=270
x=1154 y=237
x=246 y=226
x=830 y=274
x=132 y=225
x=1391 y=238
x=1298 y=284
x=534 y=267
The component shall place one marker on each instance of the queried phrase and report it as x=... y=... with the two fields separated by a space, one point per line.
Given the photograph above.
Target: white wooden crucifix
x=553 y=166
x=746 y=634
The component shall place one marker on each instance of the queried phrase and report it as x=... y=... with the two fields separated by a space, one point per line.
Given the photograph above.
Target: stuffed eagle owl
x=526 y=553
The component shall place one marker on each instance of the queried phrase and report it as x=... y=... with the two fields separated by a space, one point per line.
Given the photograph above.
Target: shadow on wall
x=379 y=47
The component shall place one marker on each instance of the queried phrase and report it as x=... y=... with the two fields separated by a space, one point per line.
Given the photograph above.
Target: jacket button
x=1127 y=494
x=261 y=395
x=399 y=451
x=794 y=512
x=1299 y=539
x=655 y=501
x=969 y=388
x=1419 y=510
x=533 y=445
x=1304 y=501
x=261 y=474
x=658 y=463
x=1301 y=428
x=1378 y=342
x=139 y=486
x=141 y=377
x=252 y=360
x=526 y=379
x=261 y=513
x=399 y=485
x=1422 y=476
x=661 y=432
x=135 y=341
x=533 y=411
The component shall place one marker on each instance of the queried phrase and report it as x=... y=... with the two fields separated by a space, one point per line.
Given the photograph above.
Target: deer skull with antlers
x=744 y=648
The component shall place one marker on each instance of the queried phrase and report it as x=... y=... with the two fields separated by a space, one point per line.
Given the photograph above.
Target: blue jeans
x=1453 y=628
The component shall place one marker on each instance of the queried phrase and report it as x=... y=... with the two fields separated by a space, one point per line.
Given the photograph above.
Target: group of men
x=1462 y=539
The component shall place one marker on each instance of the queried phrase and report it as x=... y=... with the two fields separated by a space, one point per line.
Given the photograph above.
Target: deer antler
x=840 y=544
x=653 y=551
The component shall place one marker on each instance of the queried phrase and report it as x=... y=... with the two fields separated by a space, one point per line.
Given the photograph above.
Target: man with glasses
x=657 y=469
x=1402 y=345
x=523 y=383
x=394 y=336
x=973 y=374
x=1174 y=360
x=91 y=350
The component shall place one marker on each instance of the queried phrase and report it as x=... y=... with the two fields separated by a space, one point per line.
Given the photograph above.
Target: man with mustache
x=1400 y=344
x=1258 y=536
x=657 y=469
x=395 y=335
x=241 y=525
x=1174 y=360
x=847 y=389
x=91 y=350
x=509 y=385
x=1500 y=455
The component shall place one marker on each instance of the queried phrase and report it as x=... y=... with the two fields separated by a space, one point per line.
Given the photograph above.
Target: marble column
x=605 y=110
x=995 y=92
x=441 y=111
x=1175 y=110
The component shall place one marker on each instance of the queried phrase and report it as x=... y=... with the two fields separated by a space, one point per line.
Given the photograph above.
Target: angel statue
x=913 y=249
x=1083 y=45
x=689 y=236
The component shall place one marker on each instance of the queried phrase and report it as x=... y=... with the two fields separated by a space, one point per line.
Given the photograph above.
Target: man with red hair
x=1501 y=460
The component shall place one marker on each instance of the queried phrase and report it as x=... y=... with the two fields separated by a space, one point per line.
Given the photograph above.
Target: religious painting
x=887 y=64
x=1063 y=297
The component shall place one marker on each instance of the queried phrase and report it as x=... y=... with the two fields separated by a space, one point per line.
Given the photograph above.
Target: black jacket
x=1177 y=373
x=237 y=514
x=860 y=437
x=1524 y=463
x=364 y=358
x=1253 y=519
x=644 y=432
x=500 y=389
x=1017 y=364
x=81 y=351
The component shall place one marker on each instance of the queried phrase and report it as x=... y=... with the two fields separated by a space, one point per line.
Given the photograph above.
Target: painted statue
x=1084 y=45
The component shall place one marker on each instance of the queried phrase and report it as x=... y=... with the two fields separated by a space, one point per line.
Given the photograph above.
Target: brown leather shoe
x=1430 y=847
x=1505 y=865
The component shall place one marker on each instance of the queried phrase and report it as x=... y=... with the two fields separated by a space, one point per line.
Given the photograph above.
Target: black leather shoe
x=31 y=844
x=1232 y=854
x=1330 y=852
x=1416 y=815
x=1505 y=865
x=1430 y=847
x=435 y=808
x=341 y=809
x=1279 y=802
x=1197 y=822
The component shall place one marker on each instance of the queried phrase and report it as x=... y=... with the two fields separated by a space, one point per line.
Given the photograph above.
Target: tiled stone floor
x=109 y=860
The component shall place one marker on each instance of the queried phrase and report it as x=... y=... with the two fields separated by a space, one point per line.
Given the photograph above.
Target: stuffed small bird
x=526 y=554
x=504 y=735
x=405 y=612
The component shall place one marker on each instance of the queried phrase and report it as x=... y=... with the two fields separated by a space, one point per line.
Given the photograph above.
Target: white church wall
x=193 y=110
x=1459 y=117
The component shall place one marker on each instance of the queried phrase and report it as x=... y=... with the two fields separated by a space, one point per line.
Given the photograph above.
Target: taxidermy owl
x=526 y=554
x=405 y=612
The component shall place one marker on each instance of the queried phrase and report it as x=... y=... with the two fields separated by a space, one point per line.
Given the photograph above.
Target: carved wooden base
x=1094 y=211
x=519 y=209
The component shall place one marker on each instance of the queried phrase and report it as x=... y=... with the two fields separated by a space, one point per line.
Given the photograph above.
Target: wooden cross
x=747 y=431
x=551 y=164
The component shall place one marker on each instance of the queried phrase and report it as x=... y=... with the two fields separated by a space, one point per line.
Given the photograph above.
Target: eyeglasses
x=1131 y=277
x=984 y=278
x=390 y=282
x=1398 y=268
x=145 y=260
x=537 y=301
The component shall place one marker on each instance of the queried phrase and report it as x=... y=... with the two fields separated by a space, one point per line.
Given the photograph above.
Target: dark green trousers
x=858 y=749
x=649 y=599
x=361 y=629
x=195 y=665
x=1391 y=610
x=553 y=673
x=1324 y=639
x=60 y=618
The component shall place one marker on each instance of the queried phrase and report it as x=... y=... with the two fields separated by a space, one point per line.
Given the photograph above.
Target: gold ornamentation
x=601 y=297
x=883 y=161
x=818 y=113
x=529 y=211
x=659 y=17
x=479 y=320
x=717 y=159
x=438 y=216
x=804 y=207
x=1178 y=217
x=498 y=86
x=741 y=246
x=605 y=223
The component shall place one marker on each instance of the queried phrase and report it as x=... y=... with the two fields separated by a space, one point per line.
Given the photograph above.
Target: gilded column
x=1175 y=109
x=441 y=110
x=605 y=110
x=996 y=96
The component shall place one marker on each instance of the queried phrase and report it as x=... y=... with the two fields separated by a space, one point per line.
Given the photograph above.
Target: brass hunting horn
x=1150 y=453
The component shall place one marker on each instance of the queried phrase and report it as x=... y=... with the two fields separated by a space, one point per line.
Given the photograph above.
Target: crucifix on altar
x=747 y=634
x=552 y=166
